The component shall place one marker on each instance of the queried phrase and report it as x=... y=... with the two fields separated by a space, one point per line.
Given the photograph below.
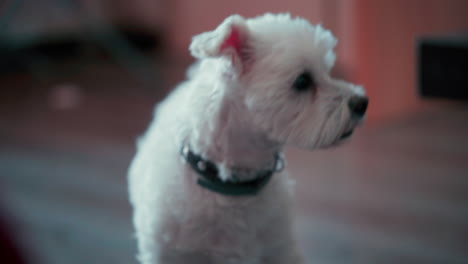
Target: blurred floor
x=396 y=194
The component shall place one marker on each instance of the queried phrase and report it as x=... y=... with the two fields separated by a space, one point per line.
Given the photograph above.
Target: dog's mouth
x=346 y=135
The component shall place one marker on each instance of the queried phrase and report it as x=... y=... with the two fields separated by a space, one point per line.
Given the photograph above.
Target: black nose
x=358 y=105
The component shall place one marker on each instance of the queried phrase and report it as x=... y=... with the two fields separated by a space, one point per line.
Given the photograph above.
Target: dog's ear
x=228 y=39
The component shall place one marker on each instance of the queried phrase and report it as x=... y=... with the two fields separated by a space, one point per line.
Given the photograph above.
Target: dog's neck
x=230 y=139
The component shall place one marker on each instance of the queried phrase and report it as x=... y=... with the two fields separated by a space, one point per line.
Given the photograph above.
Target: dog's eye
x=304 y=82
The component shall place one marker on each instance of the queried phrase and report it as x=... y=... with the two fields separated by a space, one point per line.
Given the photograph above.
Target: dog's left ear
x=228 y=39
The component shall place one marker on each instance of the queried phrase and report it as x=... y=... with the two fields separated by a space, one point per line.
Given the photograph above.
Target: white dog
x=207 y=184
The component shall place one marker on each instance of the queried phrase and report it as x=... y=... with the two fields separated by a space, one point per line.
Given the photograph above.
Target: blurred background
x=79 y=79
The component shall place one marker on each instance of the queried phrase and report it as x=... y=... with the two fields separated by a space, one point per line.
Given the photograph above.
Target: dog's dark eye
x=304 y=82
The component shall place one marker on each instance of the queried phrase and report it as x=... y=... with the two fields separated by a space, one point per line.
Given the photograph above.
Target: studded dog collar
x=209 y=176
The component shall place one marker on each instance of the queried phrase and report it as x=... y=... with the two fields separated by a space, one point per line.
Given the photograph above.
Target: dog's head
x=280 y=69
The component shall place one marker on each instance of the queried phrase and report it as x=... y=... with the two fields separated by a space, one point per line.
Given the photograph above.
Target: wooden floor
x=396 y=194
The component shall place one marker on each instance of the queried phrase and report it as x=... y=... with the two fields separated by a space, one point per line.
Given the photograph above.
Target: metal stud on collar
x=201 y=165
x=185 y=151
x=279 y=166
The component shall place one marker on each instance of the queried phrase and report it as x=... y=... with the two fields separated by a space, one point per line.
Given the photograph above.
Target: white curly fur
x=237 y=109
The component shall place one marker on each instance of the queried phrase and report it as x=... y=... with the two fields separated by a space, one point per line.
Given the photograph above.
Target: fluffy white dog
x=207 y=184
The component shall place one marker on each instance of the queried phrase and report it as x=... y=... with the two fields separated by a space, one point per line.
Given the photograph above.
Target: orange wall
x=385 y=47
x=189 y=17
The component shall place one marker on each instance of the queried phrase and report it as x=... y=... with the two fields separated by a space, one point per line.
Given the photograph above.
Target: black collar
x=210 y=176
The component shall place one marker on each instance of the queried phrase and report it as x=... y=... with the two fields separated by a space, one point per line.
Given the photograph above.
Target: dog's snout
x=358 y=105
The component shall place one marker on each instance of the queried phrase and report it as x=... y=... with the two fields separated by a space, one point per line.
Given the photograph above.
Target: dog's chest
x=222 y=227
